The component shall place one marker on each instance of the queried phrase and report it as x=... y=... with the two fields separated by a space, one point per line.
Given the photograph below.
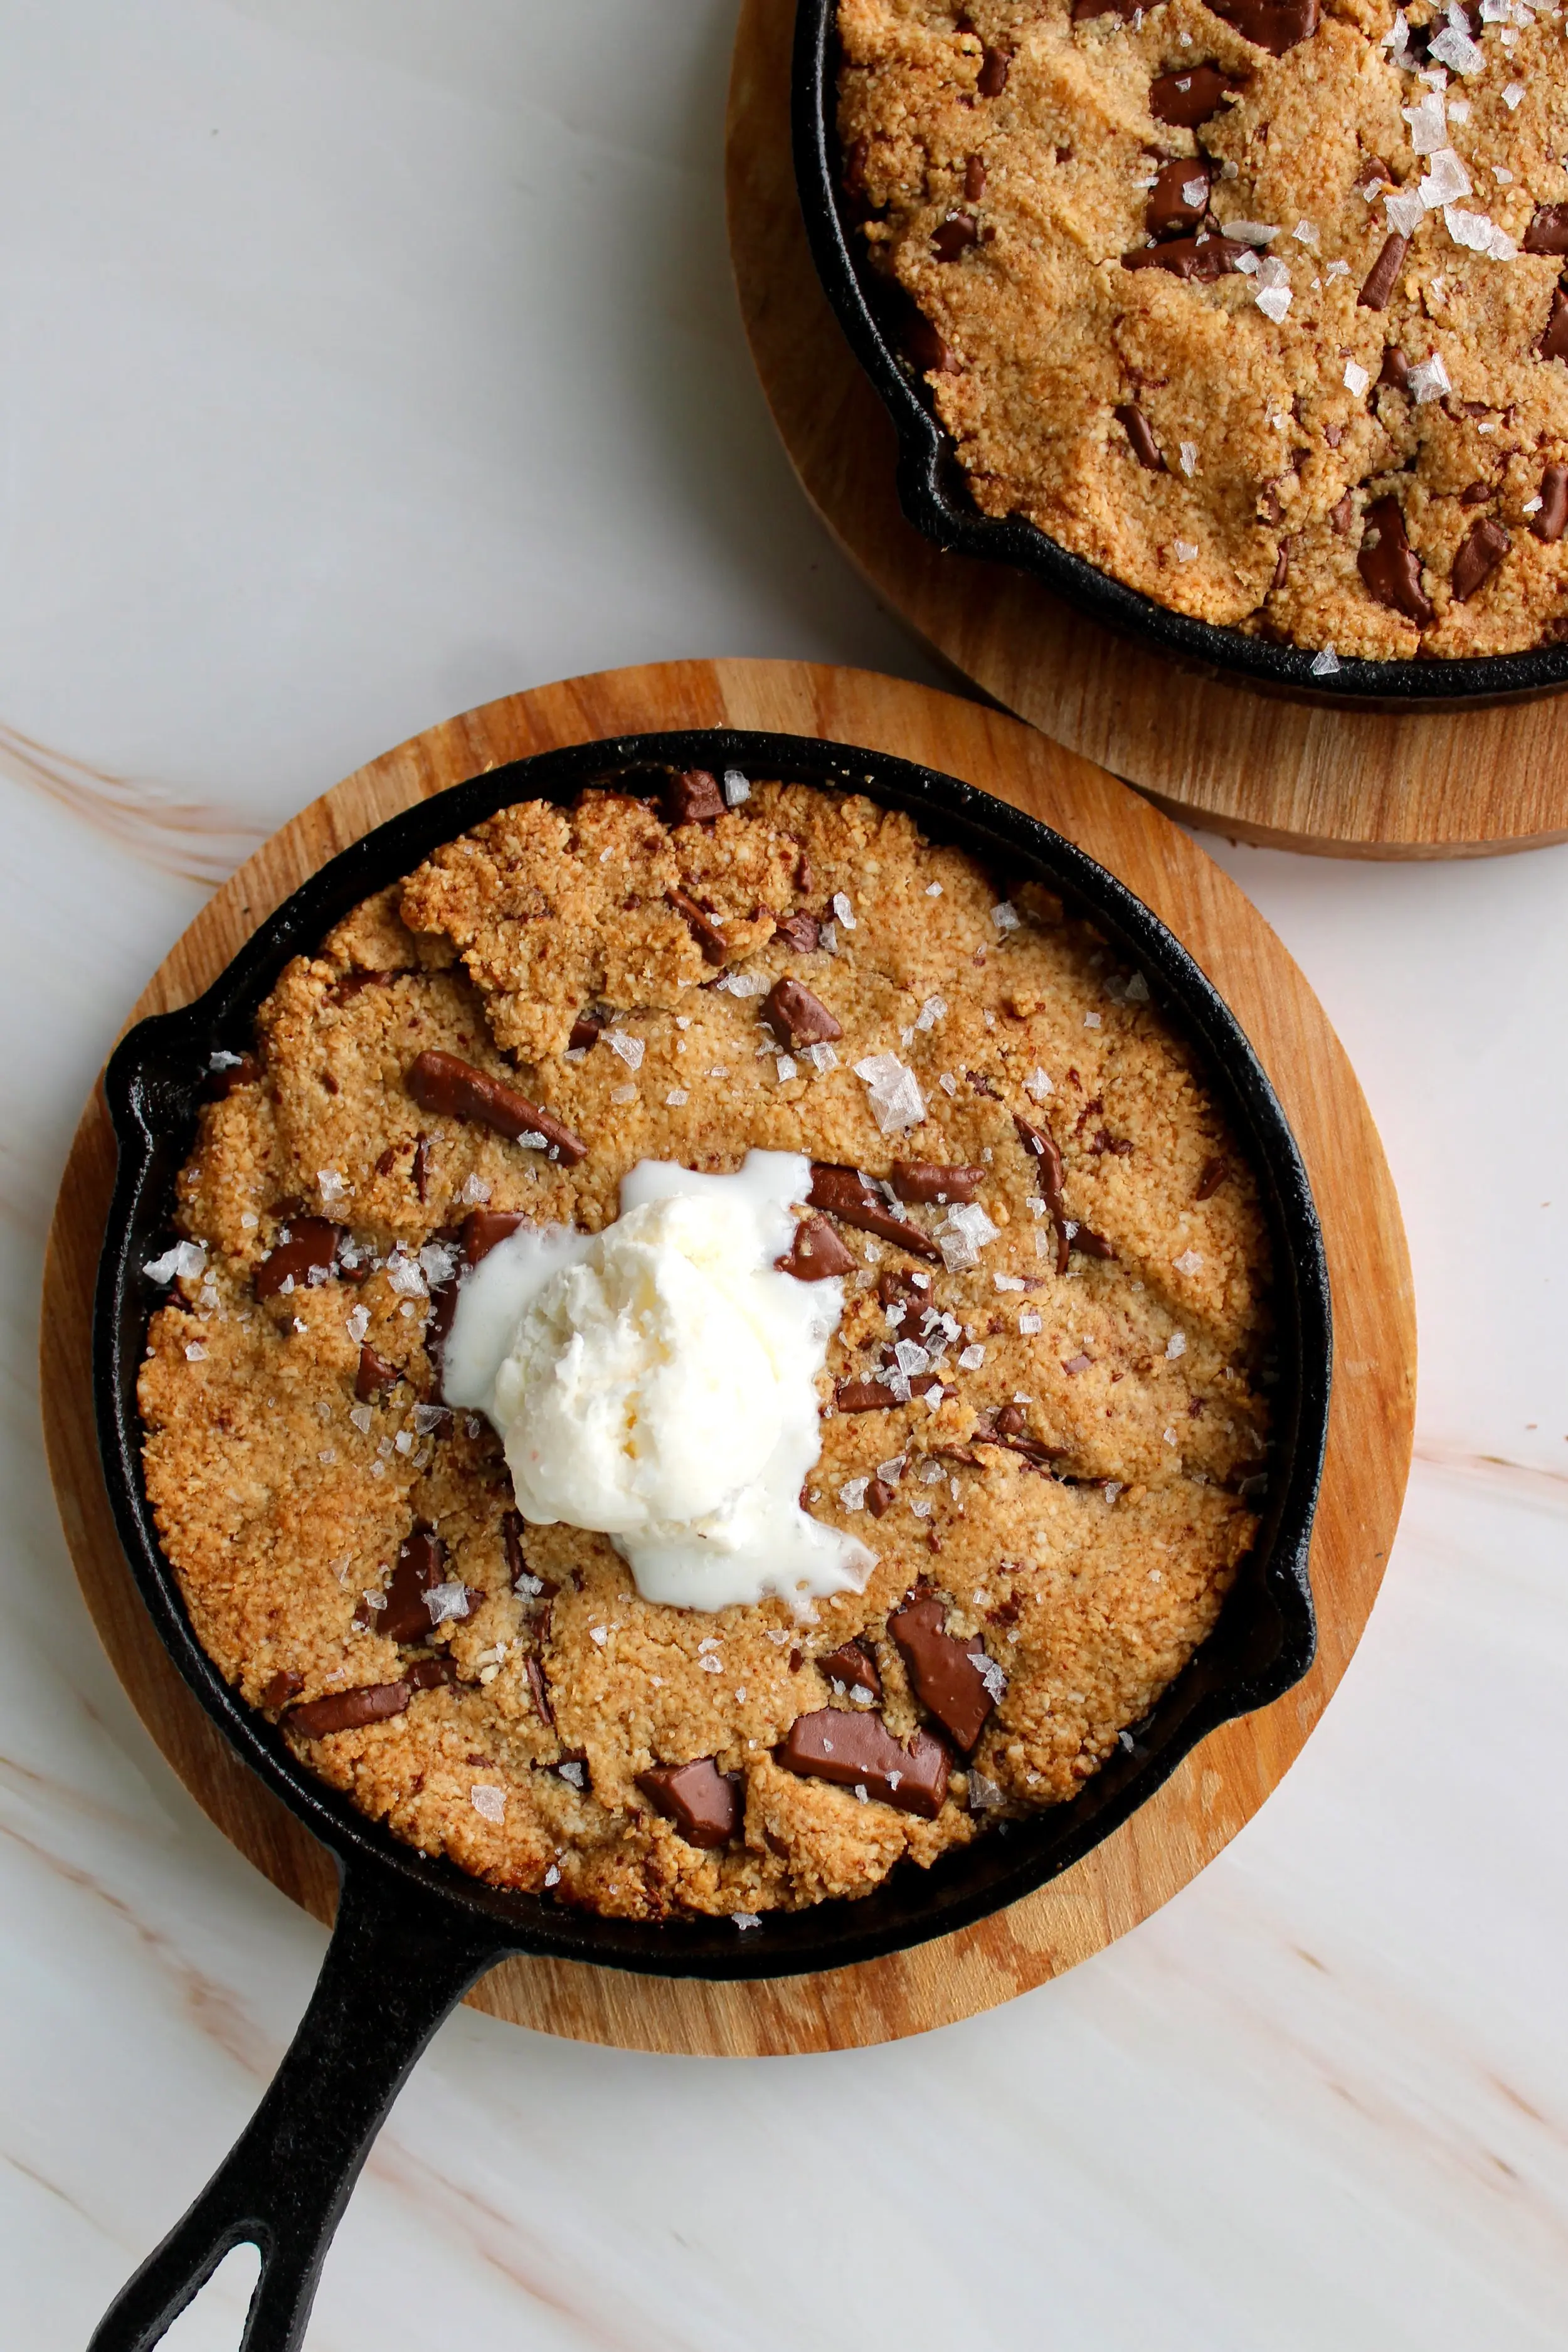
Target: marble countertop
x=366 y=359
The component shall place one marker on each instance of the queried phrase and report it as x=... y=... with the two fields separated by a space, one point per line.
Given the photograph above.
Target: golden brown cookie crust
x=1086 y=1537
x=1219 y=459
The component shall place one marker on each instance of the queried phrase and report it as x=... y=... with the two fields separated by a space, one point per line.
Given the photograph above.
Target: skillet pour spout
x=413 y=1932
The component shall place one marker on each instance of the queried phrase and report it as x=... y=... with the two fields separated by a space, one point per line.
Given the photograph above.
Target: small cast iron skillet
x=934 y=495
x=412 y=1934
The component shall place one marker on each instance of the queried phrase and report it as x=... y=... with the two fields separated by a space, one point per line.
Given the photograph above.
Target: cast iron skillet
x=934 y=495
x=412 y=1934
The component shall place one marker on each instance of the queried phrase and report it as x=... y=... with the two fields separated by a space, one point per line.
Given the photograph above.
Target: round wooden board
x=1344 y=783
x=1223 y=1783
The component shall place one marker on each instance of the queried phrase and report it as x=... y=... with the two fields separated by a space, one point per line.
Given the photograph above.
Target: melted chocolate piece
x=1342 y=514
x=929 y=1181
x=419 y=1169
x=1382 y=277
x=854 y=1666
x=880 y=1497
x=281 y=1689
x=1374 y=174
x=1282 y=566
x=447 y=1083
x=1091 y=1244
x=816 y=1253
x=1395 y=369
x=540 y=1689
x=703 y=1803
x=693 y=798
x=1191 y=96
x=1389 y=566
x=344 y=991
x=1549 y=523
x=1214 y=1173
x=311 y=1246
x=943 y=1674
x=1141 y=433
x=421 y=1562
x=992 y=76
x=840 y=1191
x=1548 y=230
x=1274 y=24
x=220 y=1084
x=797 y=1016
x=1009 y=1427
x=373 y=1376
x=1476 y=494
x=955 y=236
x=802 y=932
x=1553 y=343
x=429 y=1674
x=585 y=1031
x=973 y=179
x=876 y=1396
x=483 y=1228
x=1172 y=211
x=1046 y=1153
x=511 y=1531
x=858 y=1751
x=1084 y=12
x=348 y=1710
x=708 y=934
x=1480 y=552
x=1203 y=258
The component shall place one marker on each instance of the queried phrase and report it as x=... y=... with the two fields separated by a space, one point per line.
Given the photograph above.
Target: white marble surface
x=366 y=358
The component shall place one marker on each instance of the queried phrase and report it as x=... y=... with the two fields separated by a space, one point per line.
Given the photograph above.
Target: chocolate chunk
x=1549 y=523
x=1174 y=209
x=1274 y=24
x=312 y=1247
x=421 y=1562
x=973 y=179
x=1203 y=258
x=703 y=1803
x=876 y=1396
x=797 y=1016
x=708 y=935
x=858 y=1751
x=943 y=1673
x=373 y=1375
x=840 y=1191
x=1282 y=566
x=219 y=1085
x=1553 y=343
x=1374 y=174
x=447 y=1083
x=1389 y=566
x=1091 y=1244
x=483 y=1228
x=1214 y=1173
x=1042 y=1144
x=928 y=1180
x=540 y=1689
x=880 y=1497
x=1548 y=230
x=1084 y=12
x=992 y=80
x=1476 y=494
x=585 y=1031
x=511 y=1531
x=802 y=932
x=1395 y=369
x=1343 y=513
x=1141 y=433
x=693 y=798
x=1010 y=1428
x=348 y=1710
x=281 y=1689
x=955 y=236
x=1481 y=551
x=816 y=1253
x=429 y=1674
x=1192 y=96
x=344 y=991
x=854 y=1666
x=1384 y=274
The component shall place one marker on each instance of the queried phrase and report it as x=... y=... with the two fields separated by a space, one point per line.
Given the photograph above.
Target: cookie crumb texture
x=1042 y=1410
x=1260 y=307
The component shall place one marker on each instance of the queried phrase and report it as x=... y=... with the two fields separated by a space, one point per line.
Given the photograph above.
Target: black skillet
x=934 y=496
x=412 y=1934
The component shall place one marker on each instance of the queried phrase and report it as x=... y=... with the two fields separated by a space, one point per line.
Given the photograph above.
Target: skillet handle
x=395 y=1967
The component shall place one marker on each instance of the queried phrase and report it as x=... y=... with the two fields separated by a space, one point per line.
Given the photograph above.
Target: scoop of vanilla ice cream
x=657 y=1383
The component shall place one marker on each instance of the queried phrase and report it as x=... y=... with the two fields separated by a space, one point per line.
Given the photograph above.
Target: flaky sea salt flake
x=488 y=1802
x=736 y=788
x=1325 y=662
x=965 y=1230
x=186 y=1258
x=1189 y=1262
x=1429 y=380
x=896 y=1098
x=630 y=1049
x=1356 y=377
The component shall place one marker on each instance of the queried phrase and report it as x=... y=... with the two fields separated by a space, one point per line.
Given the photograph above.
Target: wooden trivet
x=1345 y=784
x=1226 y=1780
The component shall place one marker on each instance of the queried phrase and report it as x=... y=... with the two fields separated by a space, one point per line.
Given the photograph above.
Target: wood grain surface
x=1226 y=1780
x=1343 y=783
